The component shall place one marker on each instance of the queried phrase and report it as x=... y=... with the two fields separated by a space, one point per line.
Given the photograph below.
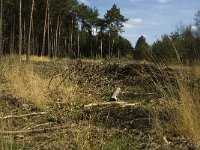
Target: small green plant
x=119 y=141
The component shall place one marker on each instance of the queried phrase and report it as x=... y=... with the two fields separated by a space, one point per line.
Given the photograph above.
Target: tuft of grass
x=189 y=106
x=13 y=145
x=23 y=81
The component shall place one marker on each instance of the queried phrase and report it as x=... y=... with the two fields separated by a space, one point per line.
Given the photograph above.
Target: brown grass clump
x=23 y=81
x=26 y=84
x=189 y=107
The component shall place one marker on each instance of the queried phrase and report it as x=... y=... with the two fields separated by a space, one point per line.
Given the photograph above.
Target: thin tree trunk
x=11 y=45
x=13 y=35
x=1 y=30
x=57 y=32
x=20 y=28
x=58 y=44
x=37 y=46
x=96 y=44
x=29 y=35
x=109 y=45
x=45 y=29
x=101 y=47
x=24 y=37
x=71 y=36
x=112 y=47
x=33 y=40
x=91 y=46
x=51 y=44
x=65 y=53
x=48 y=32
x=78 y=45
x=118 y=54
x=54 y=46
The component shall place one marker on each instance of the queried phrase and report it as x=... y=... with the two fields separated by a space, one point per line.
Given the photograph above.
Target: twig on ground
x=36 y=131
x=122 y=104
x=37 y=126
x=25 y=115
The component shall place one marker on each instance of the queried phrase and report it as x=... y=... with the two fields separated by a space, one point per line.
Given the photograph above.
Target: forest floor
x=64 y=104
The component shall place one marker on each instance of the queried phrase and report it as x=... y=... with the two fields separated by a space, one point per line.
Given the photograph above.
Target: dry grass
x=189 y=112
x=185 y=103
x=37 y=59
x=23 y=81
x=189 y=107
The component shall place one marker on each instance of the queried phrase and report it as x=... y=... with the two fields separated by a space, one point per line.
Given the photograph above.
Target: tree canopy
x=60 y=28
x=142 y=49
x=66 y=28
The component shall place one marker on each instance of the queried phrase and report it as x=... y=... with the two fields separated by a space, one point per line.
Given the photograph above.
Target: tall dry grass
x=189 y=107
x=23 y=81
x=185 y=103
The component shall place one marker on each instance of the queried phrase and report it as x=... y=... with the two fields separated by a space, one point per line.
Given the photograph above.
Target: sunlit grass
x=21 y=80
x=24 y=82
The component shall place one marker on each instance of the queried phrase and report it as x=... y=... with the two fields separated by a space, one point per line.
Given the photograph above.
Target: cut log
x=114 y=96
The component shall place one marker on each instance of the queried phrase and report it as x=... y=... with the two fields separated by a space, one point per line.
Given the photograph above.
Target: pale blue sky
x=151 y=18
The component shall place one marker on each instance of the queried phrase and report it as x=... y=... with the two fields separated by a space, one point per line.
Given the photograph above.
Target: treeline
x=180 y=46
x=61 y=28
x=66 y=28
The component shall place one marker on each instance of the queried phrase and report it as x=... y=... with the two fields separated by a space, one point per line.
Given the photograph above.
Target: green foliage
x=189 y=45
x=115 y=19
x=183 y=46
x=124 y=46
x=74 y=29
x=164 y=50
x=142 y=49
x=197 y=23
x=119 y=141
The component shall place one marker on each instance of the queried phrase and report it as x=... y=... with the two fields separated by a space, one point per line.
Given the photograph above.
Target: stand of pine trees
x=60 y=28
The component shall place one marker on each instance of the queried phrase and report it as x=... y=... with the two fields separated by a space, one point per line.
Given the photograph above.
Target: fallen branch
x=36 y=131
x=144 y=94
x=122 y=104
x=25 y=115
x=39 y=125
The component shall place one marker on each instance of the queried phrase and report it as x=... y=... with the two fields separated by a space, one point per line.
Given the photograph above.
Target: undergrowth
x=172 y=94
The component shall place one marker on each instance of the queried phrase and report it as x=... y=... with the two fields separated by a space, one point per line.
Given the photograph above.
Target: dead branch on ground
x=122 y=104
x=36 y=131
x=25 y=115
